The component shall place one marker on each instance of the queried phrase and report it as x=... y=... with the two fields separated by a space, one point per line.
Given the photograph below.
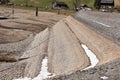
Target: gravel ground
x=24 y=23
x=12 y=70
x=56 y=43
x=110 y=70
x=17 y=46
x=21 y=52
x=108 y=24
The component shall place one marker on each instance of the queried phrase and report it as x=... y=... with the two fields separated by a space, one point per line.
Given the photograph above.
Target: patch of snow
x=43 y=73
x=23 y=78
x=104 y=77
x=93 y=59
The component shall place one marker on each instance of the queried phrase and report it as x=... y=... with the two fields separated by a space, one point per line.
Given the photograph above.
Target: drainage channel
x=93 y=59
x=43 y=73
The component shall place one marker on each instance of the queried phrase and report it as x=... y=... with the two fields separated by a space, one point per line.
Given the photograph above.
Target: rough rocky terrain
x=61 y=42
x=110 y=70
x=17 y=39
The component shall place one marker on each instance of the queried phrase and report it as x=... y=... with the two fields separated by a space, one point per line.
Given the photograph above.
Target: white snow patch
x=93 y=59
x=43 y=73
x=23 y=78
x=104 y=77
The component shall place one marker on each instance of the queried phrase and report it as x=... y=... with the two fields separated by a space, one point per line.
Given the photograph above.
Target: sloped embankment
x=35 y=53
x=62 y=44
x=9 y=59
x=28 y=63
x=65 y=52
x=105 y=49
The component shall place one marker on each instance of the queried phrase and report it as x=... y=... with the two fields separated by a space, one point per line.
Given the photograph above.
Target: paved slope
x=65 y=53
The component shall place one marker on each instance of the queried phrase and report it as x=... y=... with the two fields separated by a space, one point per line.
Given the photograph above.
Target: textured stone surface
x=22 y=42
x=64 y=51
x=62 y=44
